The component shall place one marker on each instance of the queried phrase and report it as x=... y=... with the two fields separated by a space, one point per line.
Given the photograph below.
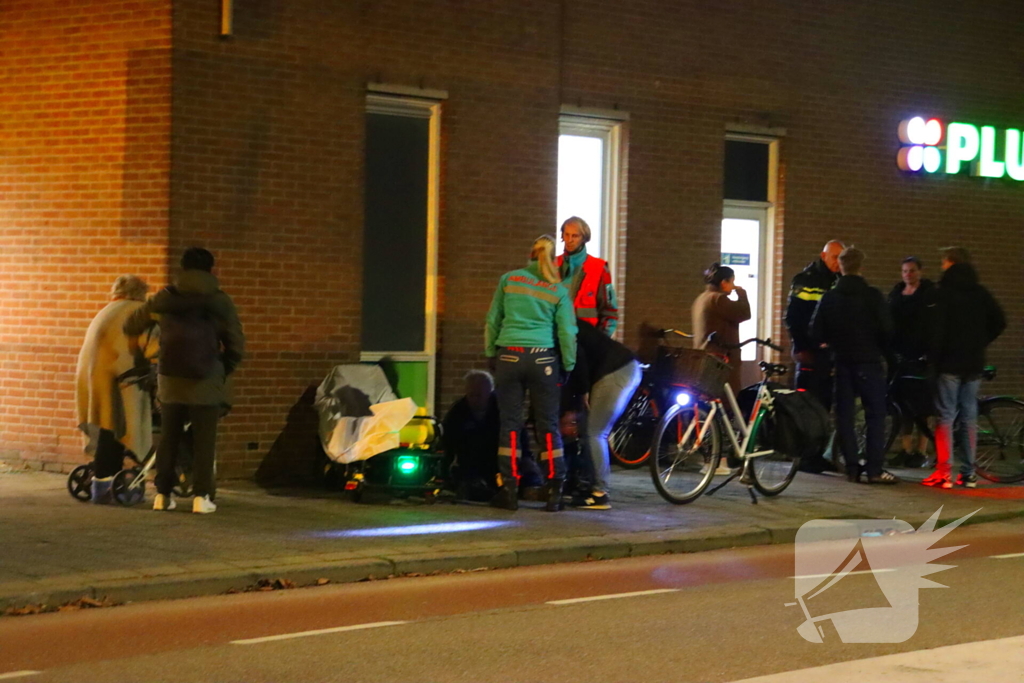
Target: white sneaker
x=162 y=502
x=202 y=505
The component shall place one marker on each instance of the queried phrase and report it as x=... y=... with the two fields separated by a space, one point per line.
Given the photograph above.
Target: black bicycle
x=630 y=439
x=1000 y=448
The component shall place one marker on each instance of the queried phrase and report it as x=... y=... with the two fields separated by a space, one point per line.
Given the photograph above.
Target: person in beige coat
x=715 y=312
x=112 y=417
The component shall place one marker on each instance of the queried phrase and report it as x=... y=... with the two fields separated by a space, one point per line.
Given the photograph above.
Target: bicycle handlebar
x=753 y=340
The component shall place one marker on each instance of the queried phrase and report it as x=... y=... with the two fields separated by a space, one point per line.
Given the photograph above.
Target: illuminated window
x=588 y=179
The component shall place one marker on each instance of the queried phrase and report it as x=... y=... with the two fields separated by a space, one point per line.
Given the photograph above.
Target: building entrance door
x=744 y=236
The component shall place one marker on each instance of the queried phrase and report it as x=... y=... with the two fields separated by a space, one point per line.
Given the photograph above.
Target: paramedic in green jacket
x=531 y=332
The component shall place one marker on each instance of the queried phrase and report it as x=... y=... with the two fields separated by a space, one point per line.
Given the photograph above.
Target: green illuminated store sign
x=931 y=147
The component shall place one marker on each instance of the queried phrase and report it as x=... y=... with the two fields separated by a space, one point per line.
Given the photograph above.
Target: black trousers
x=204 y=437
x=521 y=369
x=867 y=381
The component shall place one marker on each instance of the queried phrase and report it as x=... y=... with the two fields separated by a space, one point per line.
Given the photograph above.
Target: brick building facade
x=129 y=130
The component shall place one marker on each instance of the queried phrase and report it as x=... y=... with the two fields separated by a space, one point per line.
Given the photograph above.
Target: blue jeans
x=955 y=397
x=608 y=398
x=866 y=380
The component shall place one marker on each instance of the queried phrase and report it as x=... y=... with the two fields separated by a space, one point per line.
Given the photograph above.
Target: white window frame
x=606 y=125
x=735 y=208
x=419 y=103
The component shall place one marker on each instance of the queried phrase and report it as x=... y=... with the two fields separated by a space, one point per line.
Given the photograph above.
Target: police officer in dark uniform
x=814 y=365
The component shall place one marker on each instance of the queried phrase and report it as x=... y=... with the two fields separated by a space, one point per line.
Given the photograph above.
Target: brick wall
x=84 y=130
x=267 y=157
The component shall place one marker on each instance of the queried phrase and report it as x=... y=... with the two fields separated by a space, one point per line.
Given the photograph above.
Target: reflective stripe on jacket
x=590 y=285
x=528 y=311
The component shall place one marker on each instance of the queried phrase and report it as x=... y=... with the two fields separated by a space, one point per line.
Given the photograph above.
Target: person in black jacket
x=966 y=320
x=814 y=368
x=909 y=303
x=853 y=320
x=606 y=375
x=470 y=439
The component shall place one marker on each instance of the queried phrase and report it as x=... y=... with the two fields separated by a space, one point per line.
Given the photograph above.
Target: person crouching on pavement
x=607 y=373
x=470 y=438
x=114 y=418
x=531 y=336
x=852 y=321
x=201 y=344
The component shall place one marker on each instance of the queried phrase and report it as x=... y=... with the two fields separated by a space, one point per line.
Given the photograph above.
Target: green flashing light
x=1014 y=167
x=988 y=166
x=407 y=464
x=963 y=142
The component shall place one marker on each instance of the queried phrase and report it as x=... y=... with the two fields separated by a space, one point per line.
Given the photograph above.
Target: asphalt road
x=714 y=616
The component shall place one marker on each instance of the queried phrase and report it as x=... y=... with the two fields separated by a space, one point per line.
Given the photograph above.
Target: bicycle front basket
x=700 y=370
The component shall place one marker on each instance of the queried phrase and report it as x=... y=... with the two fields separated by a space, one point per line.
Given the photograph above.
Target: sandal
x=884 y=478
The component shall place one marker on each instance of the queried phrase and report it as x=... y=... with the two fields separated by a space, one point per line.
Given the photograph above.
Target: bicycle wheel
x=1000 y=456
x=682 y=465
x=772 y=473
x=630 y=440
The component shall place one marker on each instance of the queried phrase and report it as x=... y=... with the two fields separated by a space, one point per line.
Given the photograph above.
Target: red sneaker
x=938 y=481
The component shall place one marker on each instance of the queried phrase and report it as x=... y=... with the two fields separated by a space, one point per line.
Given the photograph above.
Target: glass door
x=743 y=247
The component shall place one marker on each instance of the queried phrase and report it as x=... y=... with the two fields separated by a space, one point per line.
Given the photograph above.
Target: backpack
x=802 y=427
x=189 y=340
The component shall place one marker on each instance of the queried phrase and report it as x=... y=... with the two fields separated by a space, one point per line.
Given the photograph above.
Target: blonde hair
x=581 y=224
x=543 y=252
x=129 y=287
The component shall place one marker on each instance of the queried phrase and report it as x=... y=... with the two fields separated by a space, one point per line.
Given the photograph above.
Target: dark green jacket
x=214 y=389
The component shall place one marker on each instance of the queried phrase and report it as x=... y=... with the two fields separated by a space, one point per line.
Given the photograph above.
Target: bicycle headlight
x=683 y=399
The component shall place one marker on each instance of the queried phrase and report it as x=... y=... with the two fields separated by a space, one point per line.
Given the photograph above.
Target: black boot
x=553 y=489
x=507 y=497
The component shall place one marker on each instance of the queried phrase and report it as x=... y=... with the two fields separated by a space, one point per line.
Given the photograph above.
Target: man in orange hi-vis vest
x=587 y=278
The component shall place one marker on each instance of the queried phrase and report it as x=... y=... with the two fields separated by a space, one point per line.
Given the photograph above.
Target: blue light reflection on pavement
x=412 y=530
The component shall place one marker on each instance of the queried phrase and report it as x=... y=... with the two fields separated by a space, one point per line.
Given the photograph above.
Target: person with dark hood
x=201 y=345
x=909 y=303
x=814 y=366
x=852 y=320
x=966 y=319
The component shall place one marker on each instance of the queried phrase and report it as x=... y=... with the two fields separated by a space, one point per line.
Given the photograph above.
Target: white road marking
x=863 y=571
x=1006 y=557
x=318 y=632
x=611 y=596
x=18 y=674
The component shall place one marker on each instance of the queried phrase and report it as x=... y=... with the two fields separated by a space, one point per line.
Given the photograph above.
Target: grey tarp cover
x=359 y=413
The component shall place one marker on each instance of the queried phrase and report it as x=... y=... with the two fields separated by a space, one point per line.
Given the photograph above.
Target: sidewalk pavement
x=54 y=549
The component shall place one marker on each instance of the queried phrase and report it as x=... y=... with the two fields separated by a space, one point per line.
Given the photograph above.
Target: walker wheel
x=80 y=483
x=127 y=488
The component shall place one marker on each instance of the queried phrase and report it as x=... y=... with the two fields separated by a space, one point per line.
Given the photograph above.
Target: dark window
x=395 y=233
x=746 y=170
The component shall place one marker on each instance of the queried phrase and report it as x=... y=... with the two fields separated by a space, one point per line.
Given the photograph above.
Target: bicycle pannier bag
x=802 y=425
